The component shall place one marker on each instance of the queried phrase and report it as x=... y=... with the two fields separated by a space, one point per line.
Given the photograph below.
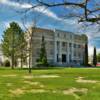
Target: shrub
x=7 y=63
x=42 y=65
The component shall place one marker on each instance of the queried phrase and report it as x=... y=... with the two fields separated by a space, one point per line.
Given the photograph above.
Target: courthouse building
x=63 y=48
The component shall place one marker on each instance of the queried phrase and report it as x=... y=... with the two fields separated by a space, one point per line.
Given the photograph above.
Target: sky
x=50 y=18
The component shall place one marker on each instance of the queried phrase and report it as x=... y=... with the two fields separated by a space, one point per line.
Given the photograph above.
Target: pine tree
x=98 y=57
x=94 y=57
x=11 y=42
x=22 y=48
x=43 y=56
x=86 y=55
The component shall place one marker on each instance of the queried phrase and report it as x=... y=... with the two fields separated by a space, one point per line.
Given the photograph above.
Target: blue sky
x=48 y=18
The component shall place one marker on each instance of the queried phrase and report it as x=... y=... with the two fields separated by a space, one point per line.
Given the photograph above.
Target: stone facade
x=63 y=48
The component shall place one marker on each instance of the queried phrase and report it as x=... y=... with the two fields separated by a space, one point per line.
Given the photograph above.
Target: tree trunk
x=29 y=63
x=13 y=60
x=21 y=63
x=30 y=55
x=21 y=59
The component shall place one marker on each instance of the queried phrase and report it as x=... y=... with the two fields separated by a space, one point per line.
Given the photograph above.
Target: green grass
x=12 y=80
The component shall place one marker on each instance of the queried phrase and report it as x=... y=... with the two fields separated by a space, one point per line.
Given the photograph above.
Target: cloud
x=41 y=9
x=47 y=12
x=15 y=4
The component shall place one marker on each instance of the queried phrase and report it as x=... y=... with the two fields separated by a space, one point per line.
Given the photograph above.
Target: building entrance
x=63 y=58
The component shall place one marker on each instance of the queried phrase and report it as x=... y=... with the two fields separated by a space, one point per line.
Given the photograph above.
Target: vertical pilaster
x=67 y=52
x=60 y=52
x=55 y=51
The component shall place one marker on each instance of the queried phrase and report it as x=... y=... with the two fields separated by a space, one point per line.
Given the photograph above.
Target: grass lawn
x=51 y=84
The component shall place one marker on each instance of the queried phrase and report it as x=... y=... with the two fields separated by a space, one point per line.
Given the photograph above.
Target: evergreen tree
x=98 y=57
x=43 y=56
x=94 y=57
x=86 y=55
x=22 y=55
x=11 y=42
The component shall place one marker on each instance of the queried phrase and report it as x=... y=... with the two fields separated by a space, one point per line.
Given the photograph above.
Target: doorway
x=63 y=58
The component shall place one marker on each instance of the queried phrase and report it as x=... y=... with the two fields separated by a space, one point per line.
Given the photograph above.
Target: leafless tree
x=29 y=36
x=90 y=14
x=85 y=10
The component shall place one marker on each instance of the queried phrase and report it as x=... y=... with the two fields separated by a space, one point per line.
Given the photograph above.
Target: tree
x=94 y=57
x=82 y=5
x=10 y=42
x=85 y=10
x=43 y=57
x=22 y=52
x=98 y=57
x=29 y=37
x=31 y=47
x=86 y=55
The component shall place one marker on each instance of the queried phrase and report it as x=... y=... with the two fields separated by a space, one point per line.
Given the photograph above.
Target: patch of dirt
x=49 y=76
x=41 y=76
x=17 y=92
x=41 y=85
x=32 y=83
x=28 y=77
x=8 y=84
x=35 y=83
x=73 y=92
x=37 y=91
x=54 y=91
x=10 y=75
x=81 y=80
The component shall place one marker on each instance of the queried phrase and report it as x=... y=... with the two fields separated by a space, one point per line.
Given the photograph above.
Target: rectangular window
x=58 y=35
x=70 y=44
x=63 y=44
x=57 y=58
x=74 y=45
x=65 y=35
x=70 y=58
x=74 y=54
x=79 y=46
x=38 y=51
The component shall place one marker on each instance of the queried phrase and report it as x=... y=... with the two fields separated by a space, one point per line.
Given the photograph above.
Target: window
x=74 y=45
x=38 y=51
x=70 y=58
x=70 y=44
x=74 y=54
x=79 y=46
x=65 y=35
x=57 y=44
x=63 y=44
x=57 y=58
x=58 y=35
